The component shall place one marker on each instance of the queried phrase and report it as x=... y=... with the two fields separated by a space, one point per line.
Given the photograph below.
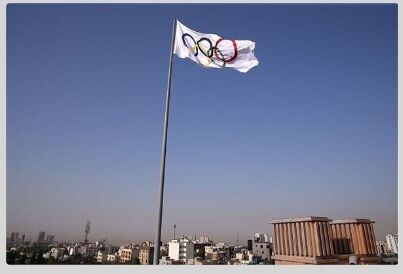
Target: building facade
x=261 y=247
x=391 y=241
x=101 y=257
x=354 y=237
x=111 y=258
x=126 y=254
x=318 y=240
x=146 y=253
x=181 y=250
x=165 y=260
x=381 y=247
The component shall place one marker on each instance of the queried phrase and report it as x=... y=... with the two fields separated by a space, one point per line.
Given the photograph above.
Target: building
x=381 y=247
x=199 y=250
x=49 y=238
x=91 y=250
x=224 y=256
x=181 y=250
x=211 y=253
x=14 y=237
x=165 y=260
x=111 y=249
x=54 y=252
x=101 y=257
x=126 y=254
x=261 y=247
x=88 y=250
x=111 y=258
x=146 y=253
x=354 y=237
x=204 y=239
x=392 y=241
x=318 y=240
x=41 y=236
x=250 y=245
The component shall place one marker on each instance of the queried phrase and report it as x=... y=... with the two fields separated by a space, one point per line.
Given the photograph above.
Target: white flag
x=213 y=51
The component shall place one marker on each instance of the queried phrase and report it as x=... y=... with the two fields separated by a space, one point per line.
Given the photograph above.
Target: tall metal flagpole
x=163 y=154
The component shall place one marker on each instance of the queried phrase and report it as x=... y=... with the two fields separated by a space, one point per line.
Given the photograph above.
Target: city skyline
x=311 y=131
x=302 y=240
x=237 y=241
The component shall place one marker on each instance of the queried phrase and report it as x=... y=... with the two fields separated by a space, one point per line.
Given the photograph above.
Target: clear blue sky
x=312 y=130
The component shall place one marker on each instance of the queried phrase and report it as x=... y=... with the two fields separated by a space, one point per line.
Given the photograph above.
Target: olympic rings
x=196 y=45
x=235 y=50
x=208 y=55
x=213 y=53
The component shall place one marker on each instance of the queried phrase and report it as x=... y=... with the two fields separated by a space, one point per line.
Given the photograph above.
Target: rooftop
x=352 y=221
x=302 y=219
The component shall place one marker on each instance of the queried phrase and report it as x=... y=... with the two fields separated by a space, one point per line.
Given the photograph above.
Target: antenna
x=174 y=231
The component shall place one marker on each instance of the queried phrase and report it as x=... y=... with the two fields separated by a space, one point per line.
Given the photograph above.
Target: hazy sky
x=311 y=131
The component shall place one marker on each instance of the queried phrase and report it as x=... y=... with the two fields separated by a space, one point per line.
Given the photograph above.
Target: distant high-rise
x=87 y=230
x=41 y=236
x=49 y=238
x=13 y=237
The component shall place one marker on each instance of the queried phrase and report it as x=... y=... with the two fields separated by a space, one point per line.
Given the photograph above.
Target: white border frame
x=4 y=268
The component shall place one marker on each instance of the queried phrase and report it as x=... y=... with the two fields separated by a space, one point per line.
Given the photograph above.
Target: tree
x=90 y=260
x=11 y=256
x=74 y=259
x=134 y=260
x=52 y=260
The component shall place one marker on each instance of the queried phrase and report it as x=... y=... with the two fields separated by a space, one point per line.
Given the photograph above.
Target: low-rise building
x=146 y=253
x=181 y=249
x=165 y=260
x=54 y=252
x=199 y=250
x=381 y=247
x=126 y=254
x=211 y=253
x=392 y=242
x=261 y=247
x=111 y=258
x=101 y=257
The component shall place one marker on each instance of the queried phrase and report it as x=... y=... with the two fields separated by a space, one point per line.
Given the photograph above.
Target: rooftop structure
x=319 y=240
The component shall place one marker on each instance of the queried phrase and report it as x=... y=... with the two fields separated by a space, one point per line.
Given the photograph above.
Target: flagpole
x=163 y=154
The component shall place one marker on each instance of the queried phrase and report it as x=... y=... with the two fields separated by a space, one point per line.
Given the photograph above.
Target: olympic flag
x=208 y=50
x=213 y=51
